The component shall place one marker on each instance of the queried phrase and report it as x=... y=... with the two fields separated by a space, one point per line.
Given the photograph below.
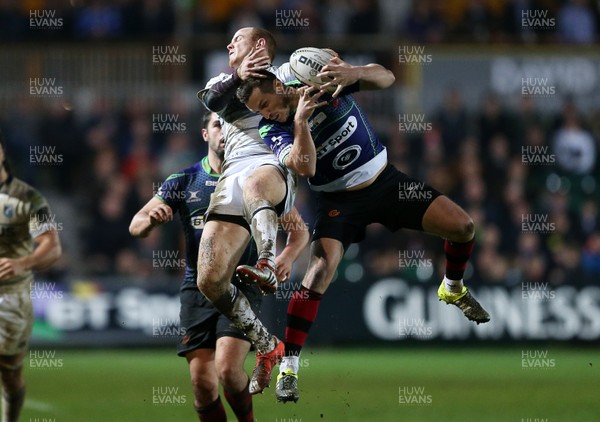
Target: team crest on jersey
x=9 y=210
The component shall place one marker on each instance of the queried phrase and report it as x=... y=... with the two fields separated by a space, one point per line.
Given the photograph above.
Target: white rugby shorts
x=16 y=321
x=228 y=198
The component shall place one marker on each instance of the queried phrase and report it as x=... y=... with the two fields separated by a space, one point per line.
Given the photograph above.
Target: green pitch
x=434 y=384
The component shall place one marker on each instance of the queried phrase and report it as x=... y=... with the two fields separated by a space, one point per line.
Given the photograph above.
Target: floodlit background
x=495 y=104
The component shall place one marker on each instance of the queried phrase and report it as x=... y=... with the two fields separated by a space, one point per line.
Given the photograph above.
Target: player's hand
x=309 y=100
x=341 y=73
x=284 y=268
x=253 y=64
x=10 y=268
x=160 y=214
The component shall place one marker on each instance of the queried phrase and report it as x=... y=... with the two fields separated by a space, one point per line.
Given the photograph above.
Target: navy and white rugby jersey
x=348 y=152
x=188 y=193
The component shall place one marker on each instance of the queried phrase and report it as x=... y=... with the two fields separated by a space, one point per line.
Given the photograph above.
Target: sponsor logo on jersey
x=211 y=183
x=333 y=213
x=346 y=157
x=194 y=196
x=316 y=121
x=339 y=137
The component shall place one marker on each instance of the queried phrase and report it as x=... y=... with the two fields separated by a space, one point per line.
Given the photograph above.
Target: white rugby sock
x=453 y=286
x=289 y=362
x=264 y=230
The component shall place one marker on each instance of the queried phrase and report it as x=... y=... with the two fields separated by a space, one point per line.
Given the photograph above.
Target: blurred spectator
x=590 y=258
x=177 y=154
x=364 y=18
x=452 y=120
x=99 y=20
x=149 y=18
x=424 y=24
x=477 y=23
x=574 y=147
x=576 y=23
x=108 y=235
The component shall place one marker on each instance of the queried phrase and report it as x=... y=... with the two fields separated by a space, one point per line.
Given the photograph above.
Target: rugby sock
x=12 y=403
x=290 y=362
x=301 y=313
x=213 y=412
x=263 y=227
x=457 y=256
x=241 y=404
x=235 y=306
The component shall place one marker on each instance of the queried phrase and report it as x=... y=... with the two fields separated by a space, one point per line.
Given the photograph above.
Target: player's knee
x=204 y=390
x=229 y=375
x=208 y=287
x=464 y=230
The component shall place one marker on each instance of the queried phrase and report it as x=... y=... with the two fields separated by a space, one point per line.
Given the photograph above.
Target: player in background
x=214 y=348
x=253 y=190
x=28 y=242
x=355 y=186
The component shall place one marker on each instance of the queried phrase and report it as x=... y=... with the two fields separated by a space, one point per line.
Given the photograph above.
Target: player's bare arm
x=153 y=214
x=370 y=77
x=297 y=239
x=302 y=158
x=46 y=252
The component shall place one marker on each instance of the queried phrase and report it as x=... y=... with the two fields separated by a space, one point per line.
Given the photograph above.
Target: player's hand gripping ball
x=307 y=62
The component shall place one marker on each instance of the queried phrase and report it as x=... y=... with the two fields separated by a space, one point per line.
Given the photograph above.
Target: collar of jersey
x=207 y=169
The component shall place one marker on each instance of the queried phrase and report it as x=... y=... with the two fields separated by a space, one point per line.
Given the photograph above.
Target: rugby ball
x=307 y=62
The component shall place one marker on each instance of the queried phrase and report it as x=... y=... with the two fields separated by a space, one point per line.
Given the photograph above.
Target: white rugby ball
x=307 y=62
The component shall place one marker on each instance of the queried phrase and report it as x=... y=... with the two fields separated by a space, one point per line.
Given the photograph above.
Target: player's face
x=240 y=46
x=214 y=136
x=270 y=105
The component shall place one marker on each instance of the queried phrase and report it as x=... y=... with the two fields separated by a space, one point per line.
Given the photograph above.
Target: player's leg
x=16 y=323
x=13 y=386
x=230 y=356
x=264 y=189
x=326 y=254
x=221 y=248
x=205 y=384
x=449 y=221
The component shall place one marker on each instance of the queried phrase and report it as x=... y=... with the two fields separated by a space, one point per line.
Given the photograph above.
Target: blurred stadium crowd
x=423 y=21
x=113 y=158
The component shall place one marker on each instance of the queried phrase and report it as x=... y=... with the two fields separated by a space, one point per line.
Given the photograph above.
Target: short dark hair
x=206 y=118
x=264 y=84
x=271 y=44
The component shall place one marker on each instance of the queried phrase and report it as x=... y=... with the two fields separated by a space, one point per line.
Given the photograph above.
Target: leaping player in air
x=355 y=186
x=254 y=188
